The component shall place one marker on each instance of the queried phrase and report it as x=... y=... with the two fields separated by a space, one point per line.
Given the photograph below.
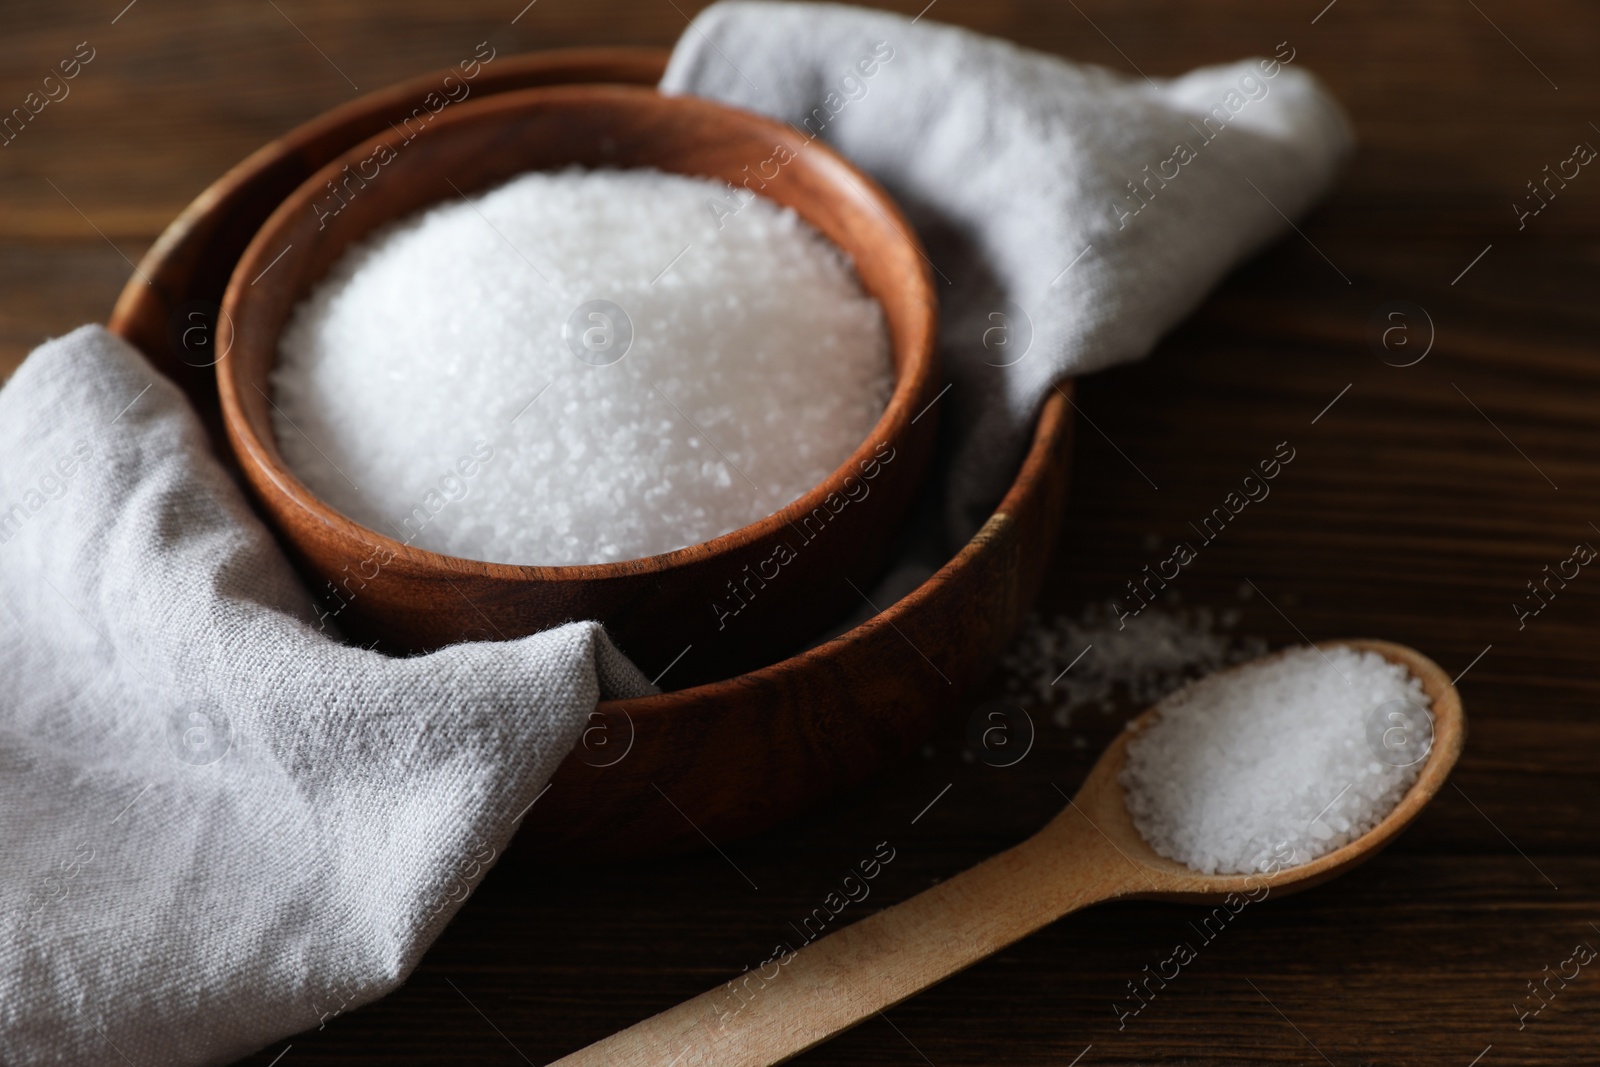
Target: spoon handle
x=840 y=980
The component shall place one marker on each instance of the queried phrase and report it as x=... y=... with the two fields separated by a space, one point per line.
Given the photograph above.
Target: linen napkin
x=1072 y=215
x=219 y=824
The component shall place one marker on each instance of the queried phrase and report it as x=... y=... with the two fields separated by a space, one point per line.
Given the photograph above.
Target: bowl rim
x=912 y=382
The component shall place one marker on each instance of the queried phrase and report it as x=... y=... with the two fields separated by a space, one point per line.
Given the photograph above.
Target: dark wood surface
x=1409 y=514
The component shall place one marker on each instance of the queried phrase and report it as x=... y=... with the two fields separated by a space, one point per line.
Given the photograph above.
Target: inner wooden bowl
x=659 y=609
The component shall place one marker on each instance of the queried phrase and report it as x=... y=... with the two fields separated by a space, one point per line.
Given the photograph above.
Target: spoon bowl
x=1100 y=798
x=1089 y=853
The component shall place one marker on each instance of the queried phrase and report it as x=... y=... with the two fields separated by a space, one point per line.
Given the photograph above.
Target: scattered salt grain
x=1139 y=662
x=436 y=347
x=1274 y=755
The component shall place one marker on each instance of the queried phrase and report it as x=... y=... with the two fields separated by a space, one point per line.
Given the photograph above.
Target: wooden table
x=1418 y=506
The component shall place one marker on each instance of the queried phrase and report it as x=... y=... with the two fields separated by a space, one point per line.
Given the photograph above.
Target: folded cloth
x=1072 y=215
x=219 y=824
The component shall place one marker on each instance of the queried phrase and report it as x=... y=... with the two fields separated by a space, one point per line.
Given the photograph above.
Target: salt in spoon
x=1089 y=853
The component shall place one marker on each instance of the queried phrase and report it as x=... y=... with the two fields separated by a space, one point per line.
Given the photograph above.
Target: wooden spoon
x=1089 y=853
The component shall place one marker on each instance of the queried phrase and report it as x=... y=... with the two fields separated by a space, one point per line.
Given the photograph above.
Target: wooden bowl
x=793 y=569
x=737 y=756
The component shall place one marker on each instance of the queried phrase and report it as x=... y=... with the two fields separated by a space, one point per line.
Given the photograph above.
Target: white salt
x=1098 y=659
x=1303 y=751
x=426 y=388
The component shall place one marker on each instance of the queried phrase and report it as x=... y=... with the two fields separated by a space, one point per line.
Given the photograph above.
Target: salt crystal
x=1140 y=659
x=1294 y=755
x=432 y=388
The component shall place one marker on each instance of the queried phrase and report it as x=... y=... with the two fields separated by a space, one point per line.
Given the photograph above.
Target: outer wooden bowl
x=736 y=756
x=789 y=574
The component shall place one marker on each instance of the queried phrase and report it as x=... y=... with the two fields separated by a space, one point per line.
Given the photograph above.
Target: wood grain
x=1408 y=515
